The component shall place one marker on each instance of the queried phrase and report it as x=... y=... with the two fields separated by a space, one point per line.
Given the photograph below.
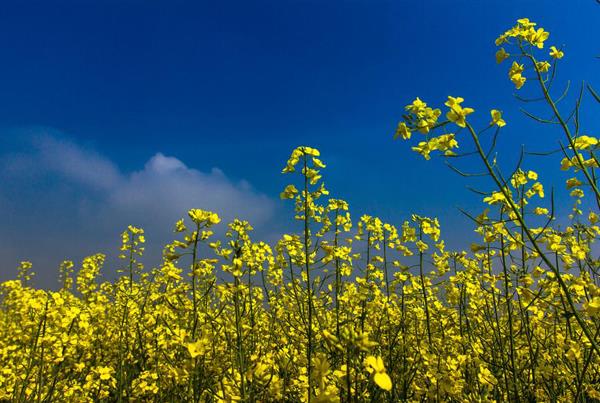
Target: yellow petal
x=383 y=381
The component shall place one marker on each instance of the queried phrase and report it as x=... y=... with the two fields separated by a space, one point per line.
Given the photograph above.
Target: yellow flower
x=518 y=80
x=565 y=164
x=289 y=192
x=180 y=226
x=376 y=367
x=104 y=373
x=542 y=66
x=538 y=188
x=197 y=348
x=538 y=271
x=457 y=113
x=585 y=142
x=422 y=246
x=452 y=101
x=573 y=182
x=497 y=118
x=403 y=131
x=416 y=106
x=496 y=197
x=424 y=149
x=593 y=306
x=555 y=53
x=515 y=74
x=423 y=118
x=485 y=376
x=518 y=179
x=204 y=217
x=525 y=23
x=501 y=39
x=516 y=68
x=537 y=37
x=501 y=55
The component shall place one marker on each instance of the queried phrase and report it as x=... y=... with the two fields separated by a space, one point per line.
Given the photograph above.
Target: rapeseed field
x=350 y=308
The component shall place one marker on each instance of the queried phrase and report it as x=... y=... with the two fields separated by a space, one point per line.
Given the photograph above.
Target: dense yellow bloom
x=525 y=32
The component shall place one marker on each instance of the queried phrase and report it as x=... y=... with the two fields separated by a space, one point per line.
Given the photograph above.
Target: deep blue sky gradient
x=238 y=84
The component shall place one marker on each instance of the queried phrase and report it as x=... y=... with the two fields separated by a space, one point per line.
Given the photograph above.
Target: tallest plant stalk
x=305 y=211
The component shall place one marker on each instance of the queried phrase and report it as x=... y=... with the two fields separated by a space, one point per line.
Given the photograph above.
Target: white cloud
x=62 y=200
x=161 y=164
x=76 y=163
x=166 y=188
x=43 y=155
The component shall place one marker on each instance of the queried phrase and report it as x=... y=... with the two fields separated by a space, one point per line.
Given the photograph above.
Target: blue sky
x=115 y=112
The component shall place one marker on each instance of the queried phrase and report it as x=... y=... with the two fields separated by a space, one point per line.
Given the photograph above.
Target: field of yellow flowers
x=347 y=309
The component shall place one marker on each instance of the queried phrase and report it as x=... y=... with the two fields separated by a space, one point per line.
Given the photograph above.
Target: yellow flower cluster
x=524 y=37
